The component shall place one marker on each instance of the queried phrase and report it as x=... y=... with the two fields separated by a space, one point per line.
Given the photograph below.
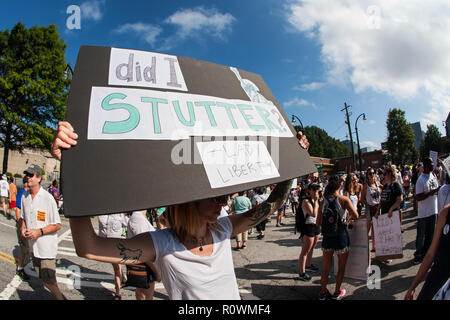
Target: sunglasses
x=370 y=173
x=29 y=175
x=221 y=199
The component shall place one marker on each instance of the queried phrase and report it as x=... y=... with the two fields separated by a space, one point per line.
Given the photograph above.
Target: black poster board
x=110 y=176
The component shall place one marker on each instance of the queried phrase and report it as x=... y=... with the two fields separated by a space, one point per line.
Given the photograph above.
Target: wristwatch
x=42 y=232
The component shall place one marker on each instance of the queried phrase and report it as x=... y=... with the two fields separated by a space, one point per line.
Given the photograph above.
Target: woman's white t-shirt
x=187 y=276
x=354 y=200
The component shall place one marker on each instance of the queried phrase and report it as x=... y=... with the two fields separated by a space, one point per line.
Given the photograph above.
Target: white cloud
x=370 y=144
x=310 y=86
x=91 y=10
x=298 y=102
x=199 y=21
x=147 y=32
x=388 y=46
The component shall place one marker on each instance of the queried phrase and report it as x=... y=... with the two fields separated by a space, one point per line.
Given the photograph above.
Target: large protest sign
x=157 y=129
x=358 y=257
x=388 y=237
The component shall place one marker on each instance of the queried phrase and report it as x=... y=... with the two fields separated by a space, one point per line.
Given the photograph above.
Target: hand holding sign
x=302 y=140
x=64 y=139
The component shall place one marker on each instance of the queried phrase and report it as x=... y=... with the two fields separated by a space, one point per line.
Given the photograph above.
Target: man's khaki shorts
x=4 y=200
x=45 y=269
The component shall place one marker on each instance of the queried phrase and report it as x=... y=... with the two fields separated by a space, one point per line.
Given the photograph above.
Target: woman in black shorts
x=333 y=216
x=311 y=232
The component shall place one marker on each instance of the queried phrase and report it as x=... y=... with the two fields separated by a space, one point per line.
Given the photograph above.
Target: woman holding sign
x=194 y=254
x=391 y=194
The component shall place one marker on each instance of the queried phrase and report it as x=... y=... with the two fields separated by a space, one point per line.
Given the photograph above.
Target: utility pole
x=350 y=133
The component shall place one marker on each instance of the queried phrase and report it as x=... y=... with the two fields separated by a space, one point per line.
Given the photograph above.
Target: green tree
x=322 y=145
x=33 y=93
x=400 y=140
x=431 y=141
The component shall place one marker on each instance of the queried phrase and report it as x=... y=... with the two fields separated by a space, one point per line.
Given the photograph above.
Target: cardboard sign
x=148 y=124
x=358 y=257
x=446 y=163
x=434 y=156
x=388 y=237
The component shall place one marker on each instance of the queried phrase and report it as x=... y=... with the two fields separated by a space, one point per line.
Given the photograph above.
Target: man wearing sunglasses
x=39 y=223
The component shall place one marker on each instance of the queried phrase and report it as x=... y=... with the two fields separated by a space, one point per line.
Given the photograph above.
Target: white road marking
x=8 y=225
x=16 y=281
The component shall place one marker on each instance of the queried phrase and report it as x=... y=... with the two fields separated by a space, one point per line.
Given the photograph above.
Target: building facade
x=18 y=162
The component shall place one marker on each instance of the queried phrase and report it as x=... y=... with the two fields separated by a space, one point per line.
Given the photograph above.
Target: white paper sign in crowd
x=229 y=163
x=358 y=258
x=388 y=235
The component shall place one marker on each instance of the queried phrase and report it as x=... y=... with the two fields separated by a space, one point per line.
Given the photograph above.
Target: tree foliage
x=322 y=145
x=400 y=140
x=432 y=141
x=33 y=93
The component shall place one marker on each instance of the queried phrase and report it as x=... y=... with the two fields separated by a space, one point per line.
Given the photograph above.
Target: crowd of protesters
x=324 y=207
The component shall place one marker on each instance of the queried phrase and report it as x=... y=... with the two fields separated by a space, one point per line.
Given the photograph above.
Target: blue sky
x=313 y=54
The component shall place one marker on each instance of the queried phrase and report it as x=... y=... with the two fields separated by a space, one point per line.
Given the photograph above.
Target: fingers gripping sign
x=302 y=140
x=65 y=139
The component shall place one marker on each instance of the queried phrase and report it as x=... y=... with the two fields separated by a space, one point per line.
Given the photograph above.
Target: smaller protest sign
x=230 y=163
x=434 y=156
x=358 y=258
x=388 y=236
x=446 y=163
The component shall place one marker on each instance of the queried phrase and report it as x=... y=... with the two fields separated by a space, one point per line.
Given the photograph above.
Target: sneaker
x=339 y=295
x=259 y=237
x=22 y=275
x=312 y=268
x=278 y=225
x=304 y=277
x=325 y=296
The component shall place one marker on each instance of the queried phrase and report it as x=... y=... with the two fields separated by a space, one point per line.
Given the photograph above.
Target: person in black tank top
x=438 y=255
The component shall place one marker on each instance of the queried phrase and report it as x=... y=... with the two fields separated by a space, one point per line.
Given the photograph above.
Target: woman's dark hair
x=333 y=185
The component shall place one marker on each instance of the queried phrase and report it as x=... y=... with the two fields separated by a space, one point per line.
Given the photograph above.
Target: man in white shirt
x=4 y=187
x=39 y=224
x=427 y=187
x=444 y=193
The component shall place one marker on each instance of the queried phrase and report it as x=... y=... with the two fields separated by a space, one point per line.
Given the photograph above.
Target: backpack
x=332 y=223
x=300 y=219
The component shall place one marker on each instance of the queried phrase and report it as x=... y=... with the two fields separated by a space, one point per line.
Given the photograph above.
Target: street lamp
x=66 y=72
x=357 y=139
x=293 y=120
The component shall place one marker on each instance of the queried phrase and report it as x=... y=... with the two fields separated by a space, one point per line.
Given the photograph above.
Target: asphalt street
x=267 y=269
